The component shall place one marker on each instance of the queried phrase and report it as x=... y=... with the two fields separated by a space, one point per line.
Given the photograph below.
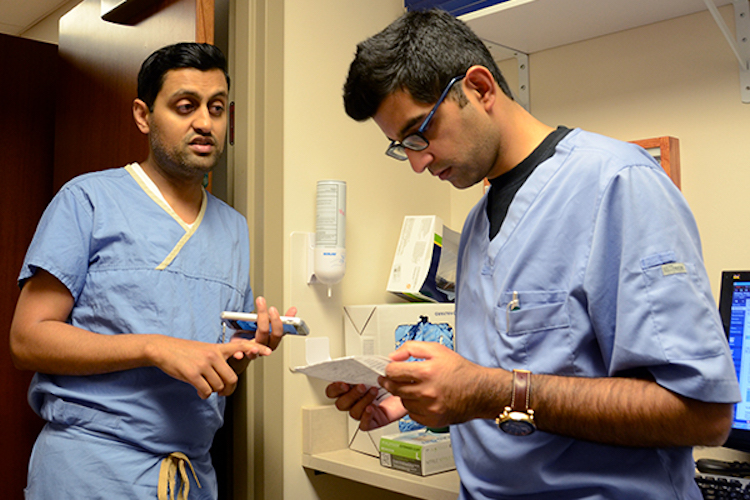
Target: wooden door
x=99 y=62
x=65 y=116
x=27 y=126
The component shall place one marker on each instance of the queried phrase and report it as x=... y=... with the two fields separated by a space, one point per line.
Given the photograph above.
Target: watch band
x=518 y=419
x=519 y=400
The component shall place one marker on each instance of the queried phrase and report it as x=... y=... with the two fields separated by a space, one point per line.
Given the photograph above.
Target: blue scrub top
x=134 y=267
x=605 y=257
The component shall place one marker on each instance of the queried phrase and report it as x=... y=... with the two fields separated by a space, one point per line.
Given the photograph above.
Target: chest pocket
x=532 y=312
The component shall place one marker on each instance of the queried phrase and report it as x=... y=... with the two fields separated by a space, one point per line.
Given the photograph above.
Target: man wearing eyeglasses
x=590 y=356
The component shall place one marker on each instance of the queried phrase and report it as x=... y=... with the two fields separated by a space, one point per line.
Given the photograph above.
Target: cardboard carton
x=371 y=329
x=424 y=267
x=420 y=452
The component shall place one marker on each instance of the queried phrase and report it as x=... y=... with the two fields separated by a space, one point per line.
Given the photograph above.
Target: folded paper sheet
x=350 y=369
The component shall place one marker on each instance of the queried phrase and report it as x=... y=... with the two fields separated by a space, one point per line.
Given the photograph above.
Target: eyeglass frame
x=397 y=149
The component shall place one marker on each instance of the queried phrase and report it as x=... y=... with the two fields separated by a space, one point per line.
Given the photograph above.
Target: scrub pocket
x=536 y=334
x=680 y=324
x=535 y=312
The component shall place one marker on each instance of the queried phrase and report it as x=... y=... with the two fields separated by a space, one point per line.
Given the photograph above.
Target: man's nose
x=202 y=121
x=419 y=160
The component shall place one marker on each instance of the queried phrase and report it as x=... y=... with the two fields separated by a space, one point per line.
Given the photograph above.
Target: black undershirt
x=504 y=187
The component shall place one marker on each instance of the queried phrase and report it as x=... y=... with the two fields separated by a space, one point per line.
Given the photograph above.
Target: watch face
x=518 y=424
x=517 y=428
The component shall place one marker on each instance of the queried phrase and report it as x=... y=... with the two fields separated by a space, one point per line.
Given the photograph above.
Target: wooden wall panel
x=99 y=64
x=27 y=128
x=205 y=21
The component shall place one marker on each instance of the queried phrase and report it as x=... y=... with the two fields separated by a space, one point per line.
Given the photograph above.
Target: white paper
x=352 y=370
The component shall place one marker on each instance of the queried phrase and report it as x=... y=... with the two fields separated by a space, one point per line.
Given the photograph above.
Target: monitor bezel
x=739 y=439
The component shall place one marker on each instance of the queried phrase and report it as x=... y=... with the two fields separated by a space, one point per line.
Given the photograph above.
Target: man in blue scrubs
x=589 y=353
x=122 y=289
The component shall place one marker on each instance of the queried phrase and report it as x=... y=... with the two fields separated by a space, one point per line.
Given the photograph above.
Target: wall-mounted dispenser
x=330 y=233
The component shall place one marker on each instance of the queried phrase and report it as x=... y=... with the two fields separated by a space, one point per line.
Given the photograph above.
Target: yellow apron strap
x=168 y=476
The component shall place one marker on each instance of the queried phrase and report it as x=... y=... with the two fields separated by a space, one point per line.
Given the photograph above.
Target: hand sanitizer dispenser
x=330 y=232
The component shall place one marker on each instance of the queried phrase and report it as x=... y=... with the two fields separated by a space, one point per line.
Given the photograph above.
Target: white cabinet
x=533 y=25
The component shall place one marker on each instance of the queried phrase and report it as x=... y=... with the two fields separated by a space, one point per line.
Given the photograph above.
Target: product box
x=420 y=452
x=380 y=329
x=424 y=267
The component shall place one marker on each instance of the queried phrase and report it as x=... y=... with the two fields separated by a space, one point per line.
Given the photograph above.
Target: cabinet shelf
x=532 y=25
x=325 y=449
x=358 y=467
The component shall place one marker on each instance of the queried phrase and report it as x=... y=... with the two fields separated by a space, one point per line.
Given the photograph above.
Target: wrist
x=150 y=352
x=495 y=390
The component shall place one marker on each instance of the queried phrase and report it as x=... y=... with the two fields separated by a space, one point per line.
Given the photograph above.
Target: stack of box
x=371 y=329
x=420 y=452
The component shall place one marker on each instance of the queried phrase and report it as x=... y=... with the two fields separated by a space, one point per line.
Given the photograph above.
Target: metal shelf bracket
x=500 y=53
x=740 y=44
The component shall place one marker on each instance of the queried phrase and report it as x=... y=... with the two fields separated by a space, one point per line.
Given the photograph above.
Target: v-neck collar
x=152 y=190
x=190 y=229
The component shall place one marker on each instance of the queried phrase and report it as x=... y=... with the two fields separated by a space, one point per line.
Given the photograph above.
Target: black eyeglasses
x=417 y=141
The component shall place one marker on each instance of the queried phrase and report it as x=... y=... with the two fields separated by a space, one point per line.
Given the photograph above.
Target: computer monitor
x=734 y=308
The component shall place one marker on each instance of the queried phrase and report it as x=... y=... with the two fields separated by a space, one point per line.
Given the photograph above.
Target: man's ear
x=480 y=80
x=141 y=115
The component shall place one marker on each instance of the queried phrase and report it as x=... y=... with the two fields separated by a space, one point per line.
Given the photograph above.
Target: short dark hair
x=419 y=52
x=201 y=56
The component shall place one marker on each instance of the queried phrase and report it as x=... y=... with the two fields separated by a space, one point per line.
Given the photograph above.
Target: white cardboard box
x=371 y=329
x=424 y=266
x=419 y=452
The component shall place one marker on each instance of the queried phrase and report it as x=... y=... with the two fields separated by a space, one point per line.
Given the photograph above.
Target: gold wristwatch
x=518 y=419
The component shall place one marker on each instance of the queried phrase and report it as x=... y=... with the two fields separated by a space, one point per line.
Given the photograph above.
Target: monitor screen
x=734 y=308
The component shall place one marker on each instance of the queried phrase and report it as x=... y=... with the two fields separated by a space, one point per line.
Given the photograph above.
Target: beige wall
x=674 y=78
x=321 y=142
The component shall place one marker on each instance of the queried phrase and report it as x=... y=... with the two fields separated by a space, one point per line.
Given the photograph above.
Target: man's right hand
x=202 y=365
x=359 y=402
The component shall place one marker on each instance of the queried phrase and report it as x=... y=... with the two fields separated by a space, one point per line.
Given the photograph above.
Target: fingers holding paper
x=439 y=389
x=360 y=402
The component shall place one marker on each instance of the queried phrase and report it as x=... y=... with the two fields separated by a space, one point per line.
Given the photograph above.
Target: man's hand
x=443 y=388
x=358 y=401
x=268 y=334
x=200 y=364
x=41 y=340
x=270 y=329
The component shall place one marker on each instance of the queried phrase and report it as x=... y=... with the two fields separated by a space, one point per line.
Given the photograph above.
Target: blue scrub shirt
x=604 y=255
x=133 y=266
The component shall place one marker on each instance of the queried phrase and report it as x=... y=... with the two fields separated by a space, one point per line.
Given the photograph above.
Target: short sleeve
x=62 y=240
x=652 y=305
